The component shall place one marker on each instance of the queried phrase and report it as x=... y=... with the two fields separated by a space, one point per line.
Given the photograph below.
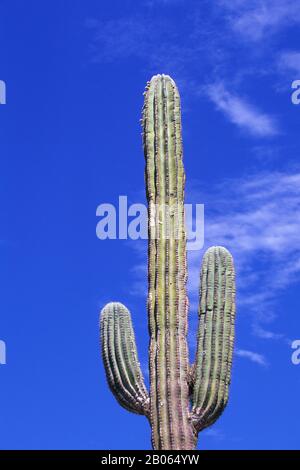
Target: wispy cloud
x=266 y=334
x=119 y=38
x=199 y=54
x=252 y=356
x=241 y=113
x=214 y=433
x=259 y=19
x=152 y=3
x=290 y=61
x=156 y=43
x=139 y=272
x=258 y=219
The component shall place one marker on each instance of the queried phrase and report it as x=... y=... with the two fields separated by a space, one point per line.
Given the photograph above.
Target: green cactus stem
x=183 y=399
x=215 y=337
x=119 y=354
x=167 y=273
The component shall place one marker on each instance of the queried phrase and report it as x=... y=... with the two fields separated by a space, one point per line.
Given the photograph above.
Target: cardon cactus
x=183 y=398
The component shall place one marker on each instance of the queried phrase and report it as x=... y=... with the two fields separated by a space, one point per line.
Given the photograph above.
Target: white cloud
x=258 y=19
x=214 y=433
x=262 y=214
x=156 y=42
x=152 y=3
x=290 y=61
x=119 y=38
x=252 y=356
x=242 y=113
x=258 y=219
x=139 y=286
x=265 y=334
x=200 y=53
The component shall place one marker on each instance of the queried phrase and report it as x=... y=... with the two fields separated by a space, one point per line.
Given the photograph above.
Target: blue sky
x=70 y=140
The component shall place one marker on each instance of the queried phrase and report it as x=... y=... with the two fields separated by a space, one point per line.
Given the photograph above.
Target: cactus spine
x=183 y=399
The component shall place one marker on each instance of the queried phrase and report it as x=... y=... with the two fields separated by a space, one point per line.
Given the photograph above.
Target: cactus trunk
x=184 y=398
x=167 y=273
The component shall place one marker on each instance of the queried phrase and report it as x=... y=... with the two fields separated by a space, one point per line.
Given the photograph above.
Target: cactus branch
x=119 y=353
x=215 y=337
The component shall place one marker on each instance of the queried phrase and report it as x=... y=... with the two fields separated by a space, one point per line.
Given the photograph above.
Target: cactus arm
x=119 y=354
x=215 y=337
x=167 y=273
